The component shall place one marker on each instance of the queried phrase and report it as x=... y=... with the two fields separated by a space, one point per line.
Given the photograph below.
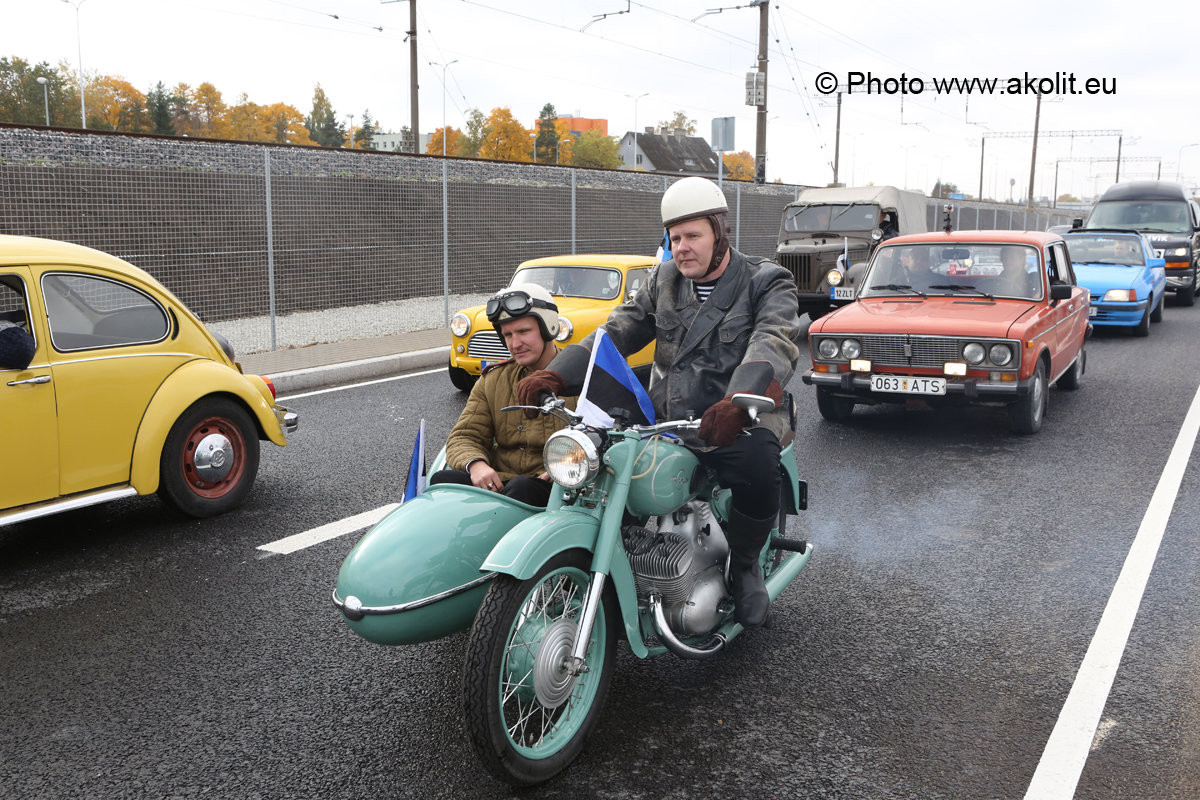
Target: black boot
x=746 y=539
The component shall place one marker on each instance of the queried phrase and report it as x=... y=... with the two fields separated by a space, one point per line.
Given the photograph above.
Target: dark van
x=1169 y=219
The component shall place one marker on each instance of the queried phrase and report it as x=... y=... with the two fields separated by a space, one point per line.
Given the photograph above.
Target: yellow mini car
x=586 y=288
x=118 y=390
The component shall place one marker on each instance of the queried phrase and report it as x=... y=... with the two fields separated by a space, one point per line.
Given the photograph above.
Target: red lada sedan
x=965 y=317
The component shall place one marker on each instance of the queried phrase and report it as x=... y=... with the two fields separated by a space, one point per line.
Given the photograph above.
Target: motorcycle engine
x=681 y=557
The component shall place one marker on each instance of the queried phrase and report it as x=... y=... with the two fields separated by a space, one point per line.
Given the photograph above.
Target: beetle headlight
x=834 y=277
x=460 y=325
x=1000 y=355
x=827 y=348
x=974 y=353
x=571 y=458
x=565 y=329
x=851 y=349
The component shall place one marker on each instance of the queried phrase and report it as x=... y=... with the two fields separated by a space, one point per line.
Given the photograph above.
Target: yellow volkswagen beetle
x=110 y=386
x=585 y=287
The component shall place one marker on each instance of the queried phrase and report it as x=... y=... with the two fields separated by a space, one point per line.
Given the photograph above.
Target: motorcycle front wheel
x=527 y=716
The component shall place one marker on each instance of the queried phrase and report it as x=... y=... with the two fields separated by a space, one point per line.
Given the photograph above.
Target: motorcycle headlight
x=834 y=277
x=460 y=325
x=1000 y=354
x=974 y=353
x=571 y=458
x=565 y=329
x=827 y=348
x=851 y=349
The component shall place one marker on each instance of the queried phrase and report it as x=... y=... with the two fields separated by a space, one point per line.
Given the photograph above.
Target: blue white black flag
x=609 y=384
x=664 y=249
x=416 y=467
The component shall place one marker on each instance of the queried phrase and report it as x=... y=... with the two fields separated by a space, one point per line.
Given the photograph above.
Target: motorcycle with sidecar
x=630 y=548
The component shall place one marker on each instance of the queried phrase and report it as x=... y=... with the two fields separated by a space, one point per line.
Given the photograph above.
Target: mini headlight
x=851 y=349
x=1119 y=295
x=828 y=348
x=974 y=353
x=1000 y=354
x=565 y=329
x=460 y=325
x=834 y=277
x=571 y=458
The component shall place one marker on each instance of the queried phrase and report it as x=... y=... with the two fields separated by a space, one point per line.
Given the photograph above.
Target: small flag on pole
x=664 y=249
x=416 y=467
x=609 y=384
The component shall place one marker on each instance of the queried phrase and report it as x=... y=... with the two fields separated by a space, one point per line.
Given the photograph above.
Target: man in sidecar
x=722 y=323
x=502 y=452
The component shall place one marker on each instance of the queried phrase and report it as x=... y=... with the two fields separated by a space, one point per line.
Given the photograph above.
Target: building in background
x=673 y=151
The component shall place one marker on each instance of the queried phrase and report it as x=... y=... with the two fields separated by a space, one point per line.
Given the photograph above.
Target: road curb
x=381 y=366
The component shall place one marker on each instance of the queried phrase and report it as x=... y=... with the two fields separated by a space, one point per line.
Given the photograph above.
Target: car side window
x=1058 y=264
x=13 y=307
x=86 y=312
x=634 y=280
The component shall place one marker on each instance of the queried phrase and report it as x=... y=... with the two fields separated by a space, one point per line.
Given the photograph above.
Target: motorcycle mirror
x=753 y=404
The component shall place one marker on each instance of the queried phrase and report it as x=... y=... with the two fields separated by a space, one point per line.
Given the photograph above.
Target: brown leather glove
x=531 y=388
x=723 y=421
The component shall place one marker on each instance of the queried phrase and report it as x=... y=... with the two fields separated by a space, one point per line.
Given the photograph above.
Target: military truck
x=828 y=230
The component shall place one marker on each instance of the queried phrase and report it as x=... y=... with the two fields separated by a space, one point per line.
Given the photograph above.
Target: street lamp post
x=351 y=116
x=1178 y=165
x=45 y=98
x=444 y=68
x=79 y=50
x=635 y=126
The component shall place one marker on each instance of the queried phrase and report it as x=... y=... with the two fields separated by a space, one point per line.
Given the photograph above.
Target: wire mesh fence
x=281 y=246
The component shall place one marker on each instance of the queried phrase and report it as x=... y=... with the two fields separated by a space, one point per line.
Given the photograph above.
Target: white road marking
x=324 y=533
x=363 y=383
x=1057 y=774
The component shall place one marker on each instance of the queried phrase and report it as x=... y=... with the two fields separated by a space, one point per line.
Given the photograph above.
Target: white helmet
x=690 y=198
x=524 y=300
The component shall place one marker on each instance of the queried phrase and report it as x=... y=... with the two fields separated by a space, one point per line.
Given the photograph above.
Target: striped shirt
x=703 y=290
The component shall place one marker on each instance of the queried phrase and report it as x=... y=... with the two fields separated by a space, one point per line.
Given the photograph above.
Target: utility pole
x=1037 y=117
x=837 y=140
x=411 y=38
x=760 y=141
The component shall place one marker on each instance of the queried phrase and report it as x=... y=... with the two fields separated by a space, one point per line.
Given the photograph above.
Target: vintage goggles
x=516 y=303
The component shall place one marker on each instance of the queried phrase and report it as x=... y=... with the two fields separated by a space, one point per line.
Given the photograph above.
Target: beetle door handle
x=38 y=379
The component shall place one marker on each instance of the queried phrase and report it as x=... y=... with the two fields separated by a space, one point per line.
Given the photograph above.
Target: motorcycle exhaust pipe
x=670 y=641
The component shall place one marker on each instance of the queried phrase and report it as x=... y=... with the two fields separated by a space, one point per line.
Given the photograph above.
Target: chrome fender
x=536 y=540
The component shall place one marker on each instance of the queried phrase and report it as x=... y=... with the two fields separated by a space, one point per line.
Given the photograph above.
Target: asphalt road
x=959 y=577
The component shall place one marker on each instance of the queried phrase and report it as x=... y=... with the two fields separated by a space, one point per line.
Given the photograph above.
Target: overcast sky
x=523 y=54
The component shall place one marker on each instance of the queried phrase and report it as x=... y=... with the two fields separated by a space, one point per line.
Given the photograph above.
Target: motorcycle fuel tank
x=415 y=575
x=663 y=477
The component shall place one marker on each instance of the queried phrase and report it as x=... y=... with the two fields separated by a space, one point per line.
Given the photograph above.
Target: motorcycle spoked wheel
x=526 y=716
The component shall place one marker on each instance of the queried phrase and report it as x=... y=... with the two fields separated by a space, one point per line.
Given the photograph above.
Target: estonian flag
x=664 y=249
x=416 y=467
x=609 y=384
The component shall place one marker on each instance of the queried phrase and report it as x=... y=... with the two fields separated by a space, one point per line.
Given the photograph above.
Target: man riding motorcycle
x=723 y=323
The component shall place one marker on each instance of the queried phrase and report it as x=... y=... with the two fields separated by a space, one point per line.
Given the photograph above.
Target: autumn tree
x=114 y=104
x=209 y=112
x=475 y=134
x=180 y=104
x=454 y=142
x=322 y=121
x=740 y=165
x=158 y=107
x=566 y=142
x=679 y=122
x=366 y=132
x=507 y=139
x=546 y=143
x=23 y=101
x=594 y=149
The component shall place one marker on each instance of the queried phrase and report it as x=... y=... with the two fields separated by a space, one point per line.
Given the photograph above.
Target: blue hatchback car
x=1125 y=279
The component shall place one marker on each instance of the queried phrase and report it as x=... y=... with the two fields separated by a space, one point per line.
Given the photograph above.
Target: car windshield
x=962 y=268
x=595 y=283
x=1164 y=216
x=1101 y=249
x=829 y=218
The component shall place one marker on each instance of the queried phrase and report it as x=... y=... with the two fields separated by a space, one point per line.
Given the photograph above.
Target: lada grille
x=488 y=346
x=912 y=351
x=809 y=268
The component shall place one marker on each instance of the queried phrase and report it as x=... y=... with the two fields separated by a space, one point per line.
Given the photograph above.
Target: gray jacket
x=744 y=336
